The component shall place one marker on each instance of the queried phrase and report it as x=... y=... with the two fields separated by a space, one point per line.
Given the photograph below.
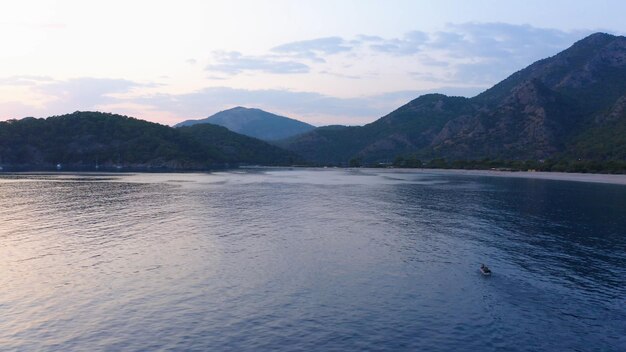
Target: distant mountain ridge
x=255 y=123
x=85 y=139
x=570 y=105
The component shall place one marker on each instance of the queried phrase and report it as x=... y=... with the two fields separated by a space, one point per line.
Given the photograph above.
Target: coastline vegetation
x=548 y=165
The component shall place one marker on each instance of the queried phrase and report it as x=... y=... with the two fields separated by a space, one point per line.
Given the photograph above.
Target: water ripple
x=304 y=260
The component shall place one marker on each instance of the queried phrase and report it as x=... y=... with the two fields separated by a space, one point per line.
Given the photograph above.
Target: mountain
x=571 y=105
x=255 y=123
x=84 y=139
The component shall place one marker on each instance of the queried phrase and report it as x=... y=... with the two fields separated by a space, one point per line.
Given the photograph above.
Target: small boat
x=485 y=270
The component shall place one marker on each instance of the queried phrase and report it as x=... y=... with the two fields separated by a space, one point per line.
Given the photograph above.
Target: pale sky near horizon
x=323 y=62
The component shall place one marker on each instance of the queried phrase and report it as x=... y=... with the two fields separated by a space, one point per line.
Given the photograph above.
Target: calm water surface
x=310 y=260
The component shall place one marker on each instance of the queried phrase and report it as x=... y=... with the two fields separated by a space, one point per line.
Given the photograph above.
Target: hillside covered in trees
x=94 y=139
x=254 y=123
x=568 y=109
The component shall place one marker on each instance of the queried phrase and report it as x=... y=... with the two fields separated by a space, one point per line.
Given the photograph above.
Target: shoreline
x=616 y=179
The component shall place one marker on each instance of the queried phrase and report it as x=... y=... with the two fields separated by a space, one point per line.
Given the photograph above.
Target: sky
x=323 y=62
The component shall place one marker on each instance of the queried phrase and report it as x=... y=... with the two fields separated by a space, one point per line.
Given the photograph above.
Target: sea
x=296 y=259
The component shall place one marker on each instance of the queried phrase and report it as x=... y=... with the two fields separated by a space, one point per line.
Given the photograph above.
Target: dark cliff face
x=530 y=123
x=598 y=59
x=539 y=112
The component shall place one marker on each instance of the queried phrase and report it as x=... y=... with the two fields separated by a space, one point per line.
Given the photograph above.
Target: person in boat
x=484 y=268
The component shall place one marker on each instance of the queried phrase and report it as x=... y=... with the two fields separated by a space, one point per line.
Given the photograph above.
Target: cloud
x=312 y=107
x=234 y=62
x=430 y=61
x=411 y=43
x=63 y=96
x=312 y=49
x=468 y=53
x=369 y=38
x=502 y=40
x=205 y=101
x=340 y=75
x=16 y=110
x=482 y=53
x=50 y=96
x=24 y=80
x=87 y=93
x=492 y=51
x=463 y=58
x=472 y=53
x=493 y=40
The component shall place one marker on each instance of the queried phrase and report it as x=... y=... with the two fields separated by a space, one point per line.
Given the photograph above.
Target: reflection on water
x=310 y=260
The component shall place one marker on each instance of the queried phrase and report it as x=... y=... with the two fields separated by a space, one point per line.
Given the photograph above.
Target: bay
x=311 y=259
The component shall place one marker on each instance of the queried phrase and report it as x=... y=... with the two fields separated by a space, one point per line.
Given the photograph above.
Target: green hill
x=569 y=106
x=86 y=139
x=254 y=123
